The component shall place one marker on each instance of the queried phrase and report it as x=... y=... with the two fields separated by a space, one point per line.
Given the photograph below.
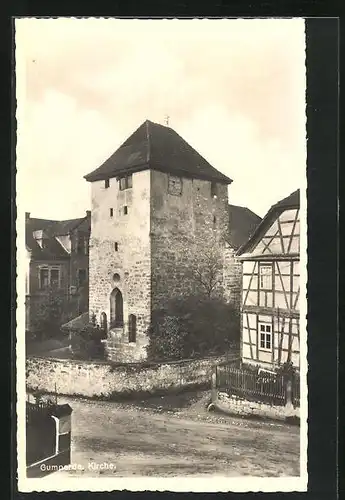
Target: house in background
x=271 y=287
x=242 y=224
x=57 y=257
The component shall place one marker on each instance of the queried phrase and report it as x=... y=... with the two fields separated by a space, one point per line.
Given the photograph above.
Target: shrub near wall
x=193 y=327
x=104 y=380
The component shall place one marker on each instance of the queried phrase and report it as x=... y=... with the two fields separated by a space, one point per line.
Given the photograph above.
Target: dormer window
x=125 y=182
x=41 y=238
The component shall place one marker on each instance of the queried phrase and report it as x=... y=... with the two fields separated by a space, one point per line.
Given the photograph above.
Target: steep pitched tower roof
x=157 y=147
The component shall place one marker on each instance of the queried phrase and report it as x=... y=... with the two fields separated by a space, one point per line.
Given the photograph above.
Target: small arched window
x=132 y=328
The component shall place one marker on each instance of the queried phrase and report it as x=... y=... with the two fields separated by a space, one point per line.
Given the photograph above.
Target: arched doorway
x=116 y=308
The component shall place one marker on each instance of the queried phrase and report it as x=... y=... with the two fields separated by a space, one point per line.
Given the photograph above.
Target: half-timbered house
x=271 y=288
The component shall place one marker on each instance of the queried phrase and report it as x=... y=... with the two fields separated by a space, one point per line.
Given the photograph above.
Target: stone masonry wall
x=129 y=259
x=232 y=277
x=237 y=406
x=184 y=229
x=105 y=380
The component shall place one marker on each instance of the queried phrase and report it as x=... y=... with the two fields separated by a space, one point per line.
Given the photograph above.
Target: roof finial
x=167 y=120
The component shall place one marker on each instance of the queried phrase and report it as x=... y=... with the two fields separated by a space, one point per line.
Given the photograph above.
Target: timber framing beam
x=288 y=313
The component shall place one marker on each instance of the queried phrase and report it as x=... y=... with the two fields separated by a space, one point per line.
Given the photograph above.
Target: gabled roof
x=155 y=146
x=53 y=250
x=290 y=202
x=242 y=224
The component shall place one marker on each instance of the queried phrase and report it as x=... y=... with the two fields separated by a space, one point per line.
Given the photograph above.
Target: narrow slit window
x=125 y=210
x=111 y=212
x=132 y=328
x=116 y=246
x=106 y=183
x=213 y=189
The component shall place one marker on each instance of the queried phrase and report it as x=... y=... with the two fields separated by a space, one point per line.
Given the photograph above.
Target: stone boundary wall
x=105 y=380
x=237 y=406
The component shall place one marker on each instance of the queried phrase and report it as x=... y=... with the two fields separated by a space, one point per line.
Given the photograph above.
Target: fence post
x=288 y=404
x=214 y=390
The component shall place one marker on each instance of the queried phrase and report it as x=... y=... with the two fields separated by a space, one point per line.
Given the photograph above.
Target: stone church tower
x=156 y=203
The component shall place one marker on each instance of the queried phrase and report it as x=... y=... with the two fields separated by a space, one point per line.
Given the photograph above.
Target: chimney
x=27 y=215
x=88 y=213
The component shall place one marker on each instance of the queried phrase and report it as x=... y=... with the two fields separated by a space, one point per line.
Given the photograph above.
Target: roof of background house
x=290 y=202
x=157 y=147
x=242 y=224
x=51 y=228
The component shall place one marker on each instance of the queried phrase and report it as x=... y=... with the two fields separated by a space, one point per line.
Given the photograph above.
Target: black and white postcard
x=161 y=254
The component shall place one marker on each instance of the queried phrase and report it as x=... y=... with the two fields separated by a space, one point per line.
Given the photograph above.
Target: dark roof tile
x=157 y=147
x=242 y=224
x=52 y=250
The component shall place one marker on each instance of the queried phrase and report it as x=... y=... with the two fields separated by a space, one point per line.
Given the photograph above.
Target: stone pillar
x=214 y=390
x=288 y=404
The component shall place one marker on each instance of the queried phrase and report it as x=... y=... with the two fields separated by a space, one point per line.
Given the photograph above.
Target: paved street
x=153 y=438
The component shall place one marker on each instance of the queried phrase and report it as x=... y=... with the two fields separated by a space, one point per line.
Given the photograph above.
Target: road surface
x=156 y=438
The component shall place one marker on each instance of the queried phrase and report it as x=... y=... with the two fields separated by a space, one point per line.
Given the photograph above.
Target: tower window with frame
x=175 y=185
x=126 y=182
x=265 y=277
x=213 y=189
x=106 y=183
x=265 y=332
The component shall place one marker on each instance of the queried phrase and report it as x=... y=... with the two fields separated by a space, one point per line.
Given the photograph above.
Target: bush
x=47 y=315
x=86 y=343
x=193 y=327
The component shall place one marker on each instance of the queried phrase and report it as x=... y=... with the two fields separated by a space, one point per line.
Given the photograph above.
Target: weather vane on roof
x=167 y=120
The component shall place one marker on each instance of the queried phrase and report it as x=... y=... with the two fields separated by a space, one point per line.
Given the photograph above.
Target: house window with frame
x=49 y=277
x=81 y=277
x=265 y=332
x=54 y=278
x=44 y=278
x=125 y=182
x=265 y=277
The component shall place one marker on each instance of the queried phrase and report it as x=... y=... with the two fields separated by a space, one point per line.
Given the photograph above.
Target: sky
x=233 y=89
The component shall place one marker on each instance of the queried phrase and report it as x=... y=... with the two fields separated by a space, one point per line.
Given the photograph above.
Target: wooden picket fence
x=263 y=387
